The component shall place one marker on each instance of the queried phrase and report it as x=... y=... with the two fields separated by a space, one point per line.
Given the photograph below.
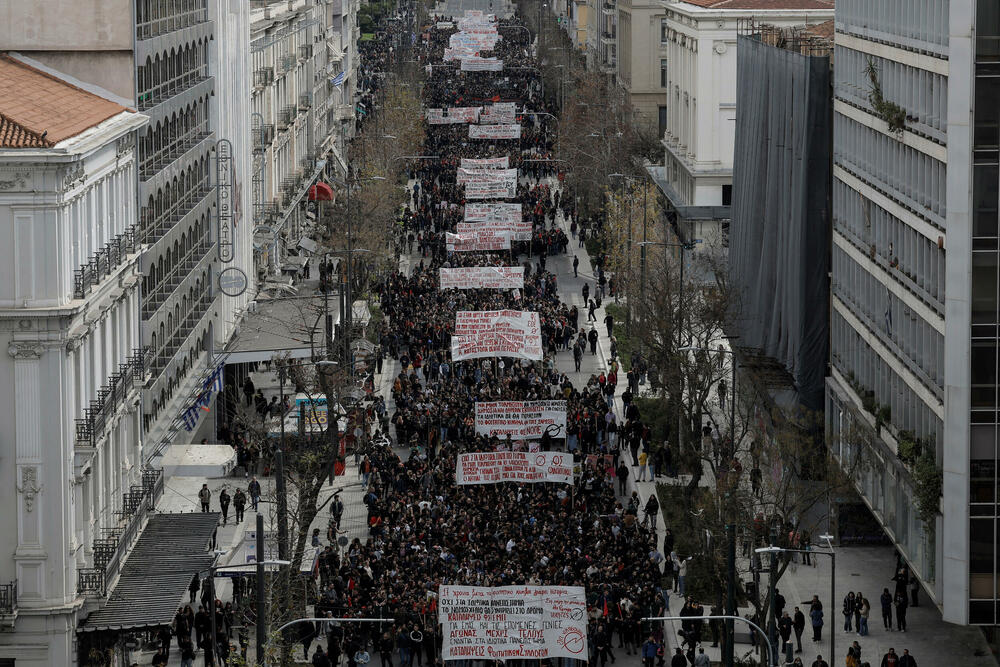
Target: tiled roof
x=824 y=30
x=762 y=4
x=38 y=110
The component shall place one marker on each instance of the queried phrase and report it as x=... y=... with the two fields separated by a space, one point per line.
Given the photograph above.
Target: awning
x=155 y=578
x=683 y=210
x=321 y=192
x=281 y=326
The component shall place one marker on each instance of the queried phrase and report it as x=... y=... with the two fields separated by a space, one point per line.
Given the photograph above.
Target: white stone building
x=70 y=417
x=700 y=63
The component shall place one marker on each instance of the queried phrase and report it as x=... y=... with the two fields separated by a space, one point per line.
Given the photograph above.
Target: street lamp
x=774 y=551
x=728 y=618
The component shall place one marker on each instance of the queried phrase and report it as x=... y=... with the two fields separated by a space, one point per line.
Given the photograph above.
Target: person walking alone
x=886 y=601
x=224 y=501
x=239 y=504
x=204 y=496
x=576 y=264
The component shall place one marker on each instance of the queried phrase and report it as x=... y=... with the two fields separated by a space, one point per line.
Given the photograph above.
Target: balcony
x=90 y=429
x=152 y=228
x=8 y=600
x=265 y=213
x=164 y=91
x=111 y=548
x=262 y=138
x=305 y=52
x=288 y=62
x=103 y=263
x=176 y=21
x=180 y=333
x=162 y=158
x=195 y=255
x=263 y=77
x=305 y=101
x=286 y=116
x=608 y=37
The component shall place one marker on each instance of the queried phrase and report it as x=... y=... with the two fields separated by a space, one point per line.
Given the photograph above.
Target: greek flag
x=338 y=80
x=214 y=381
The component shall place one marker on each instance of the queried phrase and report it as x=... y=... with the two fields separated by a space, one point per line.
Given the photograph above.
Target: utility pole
x=279 y=459
x=261 y=610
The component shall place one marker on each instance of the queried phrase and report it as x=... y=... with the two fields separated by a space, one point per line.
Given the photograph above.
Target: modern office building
x=71 y=432
x=914 y=293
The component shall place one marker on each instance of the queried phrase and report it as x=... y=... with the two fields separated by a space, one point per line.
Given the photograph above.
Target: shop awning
x=321 y=192
x=281 y=327
x=155 y=578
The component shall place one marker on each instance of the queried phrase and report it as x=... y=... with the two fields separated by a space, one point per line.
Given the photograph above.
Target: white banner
x=493 y=212
x=444 y=25
x=479 y=240
x=521 y=419
x=483 y=277
x=519 y=230
x=504 y=189
x=499 y=113
x=486 y=163
x=473 y=64
x=465 y=175
x=523 y=467
x=455 y=115
x=476 y=41
x=493 y=333
x=513 y=622
x=460 y=52
x=495 y=131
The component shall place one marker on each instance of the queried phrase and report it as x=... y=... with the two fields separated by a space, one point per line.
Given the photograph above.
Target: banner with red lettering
x=486 y=163
x=465 y=175
x=455 y=115
x=501 y=466
x=460 y=52
x=474 y=64
x=500 y=113
x=521 y=420
x=482 y=277
x=496 y=333
x=478 y=240
x=495 y=131
x=513 y=622
x=477 y=41
x=519 y=230
x=491 y=188
x=493 y=212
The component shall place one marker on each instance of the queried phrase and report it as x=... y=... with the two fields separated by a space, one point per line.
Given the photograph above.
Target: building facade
x=700 y=96
x=642 y=61
x=914 y=296
x=304 y=69
x=71 y=432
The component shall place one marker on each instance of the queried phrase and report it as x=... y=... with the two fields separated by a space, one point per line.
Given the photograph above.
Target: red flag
x=605 y=607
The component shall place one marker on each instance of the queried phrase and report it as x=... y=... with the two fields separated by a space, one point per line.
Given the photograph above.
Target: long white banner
x=524 y=467
x=460 y=52
x=499 y=113
x=478 y=240
x=513 y=622
x=495 y=131
x=486 y=163
x=483 y=277
x=521 y=419
x=493 y=212
x=477 y=41
x=465 y=175
x=491 y=189
x=519 y=230
x=474 y=64
x=496 y=333
x=455 y=115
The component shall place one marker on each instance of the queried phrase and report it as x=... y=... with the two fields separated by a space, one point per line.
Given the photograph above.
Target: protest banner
x=491 y=189
x=493 y=212
x=478 y=240
x=519 y=230
x=505 y=466
x=486 y=163
x=460 y=52
x=445 y=25
x=465 y=175
x=513 y=622
x=482 y=277
x=493 y=333
x=495 y=131
x=455 y=115
x=521 y=420
x=477 y=41
x=474 y=64
x=499 y=114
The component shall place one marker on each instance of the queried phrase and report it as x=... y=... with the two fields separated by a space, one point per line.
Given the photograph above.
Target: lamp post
x=728 y=618
x=774 y=551
x=628 y=259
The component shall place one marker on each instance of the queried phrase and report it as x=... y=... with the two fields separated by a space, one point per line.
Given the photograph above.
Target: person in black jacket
x=886 y=600
x=799 y=625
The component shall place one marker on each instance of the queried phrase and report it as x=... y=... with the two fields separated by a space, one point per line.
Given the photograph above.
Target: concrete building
x=700 y=64
x=304 y=64
x=642 y=61
x=914 y=295
x=70 y=424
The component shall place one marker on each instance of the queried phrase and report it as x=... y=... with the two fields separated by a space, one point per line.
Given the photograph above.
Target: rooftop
x=763 y=4
x=38 y=110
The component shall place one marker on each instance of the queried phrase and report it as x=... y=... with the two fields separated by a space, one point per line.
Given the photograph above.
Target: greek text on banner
x=522 y=467
x=521 y=419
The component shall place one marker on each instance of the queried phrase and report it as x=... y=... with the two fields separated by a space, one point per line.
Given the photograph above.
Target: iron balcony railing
x=159 y=295
x=152 y=227
x=110 y=397
x=180 y=145
x=104 y=262
x=181 y=332
x=8 y=598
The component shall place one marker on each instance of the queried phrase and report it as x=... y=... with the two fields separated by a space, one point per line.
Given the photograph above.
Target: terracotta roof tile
x=762 y=4
x=824 y=30
x=40 y=110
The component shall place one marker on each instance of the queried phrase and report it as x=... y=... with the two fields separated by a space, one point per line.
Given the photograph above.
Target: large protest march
x=499 y=535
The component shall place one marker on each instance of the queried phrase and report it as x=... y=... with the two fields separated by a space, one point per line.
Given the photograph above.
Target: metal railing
x=178 y=147
x=164 y=91
x=104 y=262
x=181 y=331
x=265 y=213
x=176 y=21
x=110 y=397
x=305 y=100
x=263 y=77
x=90 y=582
x=152 y=228
x=8 y=598
x=262 y=137
x=159 y=295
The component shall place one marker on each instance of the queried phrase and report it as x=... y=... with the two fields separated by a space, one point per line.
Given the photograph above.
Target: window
x=727 y=195
x=664 y=33
x=663 y=72
x=662 y=115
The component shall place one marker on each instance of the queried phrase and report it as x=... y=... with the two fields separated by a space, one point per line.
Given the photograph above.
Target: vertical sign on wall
x=224 y=198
